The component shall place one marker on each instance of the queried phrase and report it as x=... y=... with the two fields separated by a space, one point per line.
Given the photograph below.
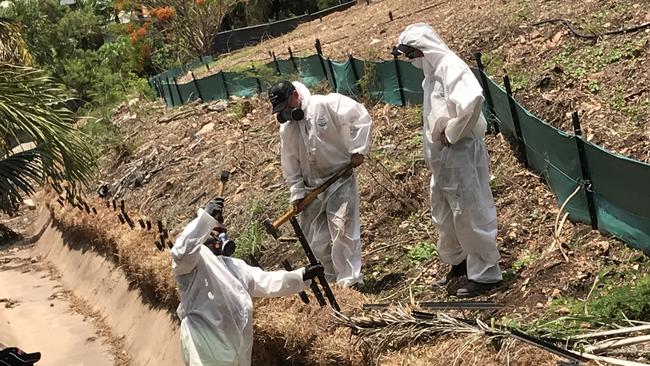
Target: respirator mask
x=290 y=114
x=221 y=245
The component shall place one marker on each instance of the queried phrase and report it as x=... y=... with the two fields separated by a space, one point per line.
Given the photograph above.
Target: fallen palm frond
x=398 y=327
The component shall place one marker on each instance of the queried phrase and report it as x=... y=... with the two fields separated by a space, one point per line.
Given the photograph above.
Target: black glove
x=214 y=208
x=312 y=271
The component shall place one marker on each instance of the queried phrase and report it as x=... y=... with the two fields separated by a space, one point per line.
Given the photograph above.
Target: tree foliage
x=32 y=110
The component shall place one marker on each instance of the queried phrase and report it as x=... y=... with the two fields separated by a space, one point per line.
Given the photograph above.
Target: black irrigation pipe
x=586 y=173
x=593 y=36
x=515 y=120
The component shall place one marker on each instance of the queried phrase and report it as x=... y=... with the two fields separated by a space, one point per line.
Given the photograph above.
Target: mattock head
x=225 y=174
x=271 y=229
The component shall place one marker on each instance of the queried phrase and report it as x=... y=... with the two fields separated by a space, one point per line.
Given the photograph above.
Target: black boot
x=473 y=289
x=457 y=271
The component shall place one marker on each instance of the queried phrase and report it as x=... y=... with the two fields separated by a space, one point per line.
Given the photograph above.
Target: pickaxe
x=313 y=261
x=272 y=227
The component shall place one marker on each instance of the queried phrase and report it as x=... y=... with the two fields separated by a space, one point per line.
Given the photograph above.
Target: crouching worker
x=216 y=307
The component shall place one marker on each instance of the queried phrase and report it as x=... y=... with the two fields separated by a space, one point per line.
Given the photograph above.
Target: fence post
x=196 y=86
x=319 y=51
x=354 y=70
x=277 y=66
x=225 y=86
x=329 y=62
x=486 y=90
x=178 y=90
x=171 y=95
x=515 y=121
x=586 y=174
x=390 y=15
x=152 y=85
x=293 y=61
x=399 y=81
x=257 y=80
x=156 y=85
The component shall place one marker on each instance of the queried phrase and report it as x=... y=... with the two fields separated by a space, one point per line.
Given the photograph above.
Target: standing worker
x=319 y=135
x=462 y=206
x=216 y=309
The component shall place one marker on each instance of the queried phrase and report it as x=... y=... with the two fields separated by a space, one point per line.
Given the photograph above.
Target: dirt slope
x=168 y=166
x=554 y=73
x=167 y=169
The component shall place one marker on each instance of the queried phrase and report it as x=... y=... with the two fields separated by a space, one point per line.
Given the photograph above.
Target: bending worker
x=462 y=206
x=216 y=309
x=319 y=135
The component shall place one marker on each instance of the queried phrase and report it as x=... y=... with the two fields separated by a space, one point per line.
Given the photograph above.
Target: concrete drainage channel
x=148 y=333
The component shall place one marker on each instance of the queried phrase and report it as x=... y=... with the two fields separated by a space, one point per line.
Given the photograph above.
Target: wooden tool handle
x=284 y=218
x=311 y=197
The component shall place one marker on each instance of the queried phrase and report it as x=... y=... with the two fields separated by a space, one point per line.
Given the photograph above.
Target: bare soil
x=554 y=73
x=172 y=167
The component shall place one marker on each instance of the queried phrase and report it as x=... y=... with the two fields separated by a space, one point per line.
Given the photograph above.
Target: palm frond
x=13 y=48
x=32 y=109
x=18 y=175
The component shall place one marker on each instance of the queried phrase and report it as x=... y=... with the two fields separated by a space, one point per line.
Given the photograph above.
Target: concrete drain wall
x=151 y=334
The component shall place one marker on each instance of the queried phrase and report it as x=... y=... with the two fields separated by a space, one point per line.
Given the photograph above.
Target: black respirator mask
x=221 y=245
x=290 y=114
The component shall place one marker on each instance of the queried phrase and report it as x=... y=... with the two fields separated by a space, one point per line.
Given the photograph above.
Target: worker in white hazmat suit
x=462 y=206
x=319 y=135
x=216 y=309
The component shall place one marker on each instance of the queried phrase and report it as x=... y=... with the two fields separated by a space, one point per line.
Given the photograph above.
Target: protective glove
x=312 y=271
x=214 y=208
x=356 y=160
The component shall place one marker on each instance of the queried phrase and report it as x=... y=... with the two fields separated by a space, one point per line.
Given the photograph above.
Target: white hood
x=425 y=39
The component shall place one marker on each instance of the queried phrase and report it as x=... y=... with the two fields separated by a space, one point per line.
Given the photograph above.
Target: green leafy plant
x=422 y=252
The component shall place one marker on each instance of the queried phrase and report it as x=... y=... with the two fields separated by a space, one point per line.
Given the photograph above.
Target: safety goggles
x=408 y=51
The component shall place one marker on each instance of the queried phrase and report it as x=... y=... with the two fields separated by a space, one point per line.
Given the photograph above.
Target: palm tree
x=32 y=110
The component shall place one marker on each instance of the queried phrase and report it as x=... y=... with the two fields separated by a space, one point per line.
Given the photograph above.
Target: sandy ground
x=35 y=315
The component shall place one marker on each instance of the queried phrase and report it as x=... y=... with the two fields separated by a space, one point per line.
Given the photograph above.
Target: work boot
x=457 y=271
x=473 y=289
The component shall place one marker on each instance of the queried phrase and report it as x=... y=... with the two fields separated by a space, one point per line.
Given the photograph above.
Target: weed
x=522 y=262
x=107 y=136
x=422 y=252
x=593 y=86
x=493 y=63
x=369 y=83
x=249 y=241
x=518 y=80
x=416 y=140
x=241 y=108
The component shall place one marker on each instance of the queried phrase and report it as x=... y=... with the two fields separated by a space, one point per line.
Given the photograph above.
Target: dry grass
x=395 y=219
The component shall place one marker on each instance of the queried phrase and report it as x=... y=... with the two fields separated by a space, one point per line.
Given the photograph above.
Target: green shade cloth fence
x=618 y=185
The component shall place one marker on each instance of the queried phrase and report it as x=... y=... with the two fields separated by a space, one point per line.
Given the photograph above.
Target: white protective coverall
x=312 y=150
x=216 y=308
x=462 y=205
